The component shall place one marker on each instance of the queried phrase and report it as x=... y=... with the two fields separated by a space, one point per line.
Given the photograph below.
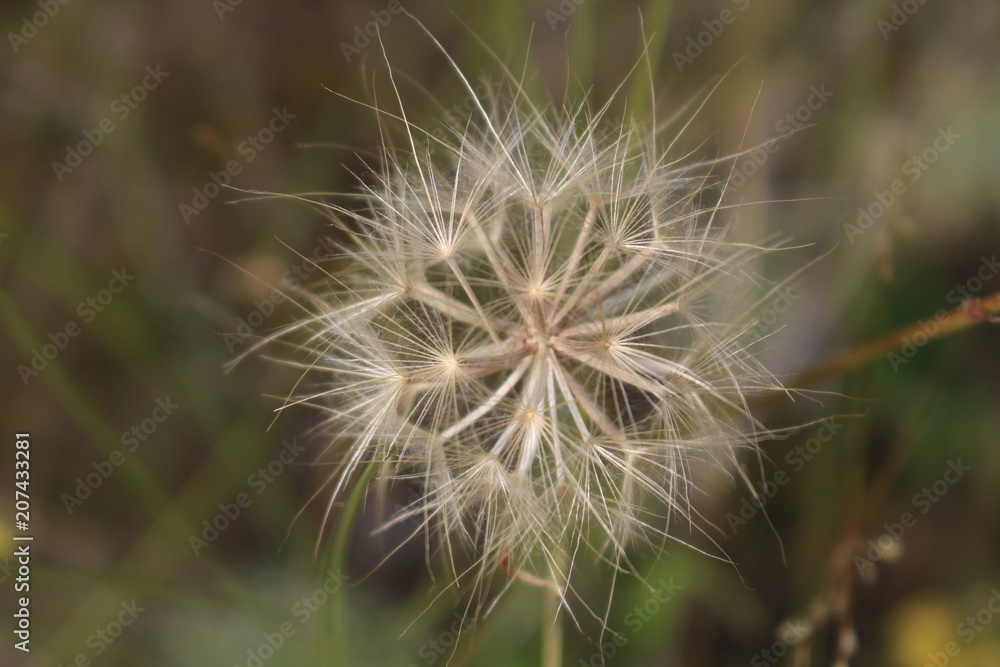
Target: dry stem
x=968 y=314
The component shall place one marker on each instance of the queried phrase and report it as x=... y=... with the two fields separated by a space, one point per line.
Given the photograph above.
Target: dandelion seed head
x=529 y=331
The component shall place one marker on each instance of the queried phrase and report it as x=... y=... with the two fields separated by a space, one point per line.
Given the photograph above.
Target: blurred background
x=172 y=512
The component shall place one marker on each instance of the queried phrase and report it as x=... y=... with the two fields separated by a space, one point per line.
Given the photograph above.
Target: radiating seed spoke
x=630 y=322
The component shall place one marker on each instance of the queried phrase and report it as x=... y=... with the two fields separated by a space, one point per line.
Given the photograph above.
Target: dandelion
x=534 y=328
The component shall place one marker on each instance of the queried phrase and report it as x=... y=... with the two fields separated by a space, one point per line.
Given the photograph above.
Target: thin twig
x=970 y=313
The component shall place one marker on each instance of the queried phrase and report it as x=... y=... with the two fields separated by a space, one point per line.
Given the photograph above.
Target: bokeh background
x=93 y=190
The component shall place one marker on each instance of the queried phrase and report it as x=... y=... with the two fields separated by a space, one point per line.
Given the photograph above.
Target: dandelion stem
x=552 y=632
x=552 y=636
x=338 y=560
